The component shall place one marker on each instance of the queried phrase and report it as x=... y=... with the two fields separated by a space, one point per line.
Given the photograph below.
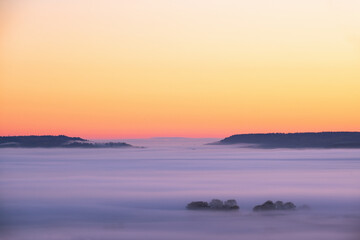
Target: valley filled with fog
x=142 y=193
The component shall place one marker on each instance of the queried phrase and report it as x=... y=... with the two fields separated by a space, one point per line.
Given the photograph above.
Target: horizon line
x=179 y=137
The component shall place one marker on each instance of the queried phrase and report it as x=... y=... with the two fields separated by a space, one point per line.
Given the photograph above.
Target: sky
x=205 y=68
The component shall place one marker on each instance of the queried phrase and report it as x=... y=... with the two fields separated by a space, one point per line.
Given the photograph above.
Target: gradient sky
x=130 y=69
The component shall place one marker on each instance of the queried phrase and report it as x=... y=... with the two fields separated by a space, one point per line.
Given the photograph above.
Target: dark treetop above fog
x=296 y=140
x=55 y=141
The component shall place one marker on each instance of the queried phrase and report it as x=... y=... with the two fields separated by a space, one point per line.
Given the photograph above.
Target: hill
x=48 y=141
x=296 y=140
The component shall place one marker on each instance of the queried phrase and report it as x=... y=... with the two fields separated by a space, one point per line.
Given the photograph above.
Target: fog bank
x=142 y=193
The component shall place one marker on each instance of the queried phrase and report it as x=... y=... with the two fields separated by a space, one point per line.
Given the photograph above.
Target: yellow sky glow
x=113 y=69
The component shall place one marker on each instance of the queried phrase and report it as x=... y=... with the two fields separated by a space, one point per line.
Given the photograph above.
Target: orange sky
x=129 y=69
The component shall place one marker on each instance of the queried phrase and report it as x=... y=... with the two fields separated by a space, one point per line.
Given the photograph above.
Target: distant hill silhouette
x=296 y=140
x=48 y=141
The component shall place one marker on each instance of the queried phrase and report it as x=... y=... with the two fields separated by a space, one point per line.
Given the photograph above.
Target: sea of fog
x=141 y=193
